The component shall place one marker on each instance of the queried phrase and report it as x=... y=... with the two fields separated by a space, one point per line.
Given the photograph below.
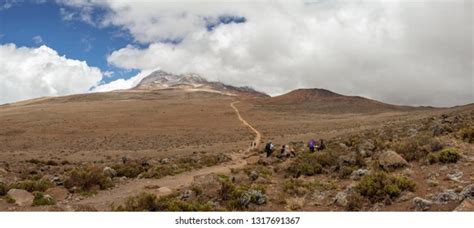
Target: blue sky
x=75 y=39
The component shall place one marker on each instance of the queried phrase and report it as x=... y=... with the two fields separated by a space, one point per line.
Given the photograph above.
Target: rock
x=432 y=182
x=466 y=205
x=444 y=168
x=165 y=161
x=377 y=207
x=408 y=172
x=456 y=176
x=406 y=196
x=188 y=194
x=366 y=148
x=164 y=191
x=422 y=204
x=341 y=199
x=252 y=196
x=467 y=192
x=446 y=196
x=57 y=193
x=344 y=146
x=253 y=175
x=21 y=197
x=109 y=172
x=412 y=132
x=357 y=174
x=391 y=160
x=57 y=180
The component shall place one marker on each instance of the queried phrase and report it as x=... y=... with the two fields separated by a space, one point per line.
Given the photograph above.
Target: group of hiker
x=287 y=151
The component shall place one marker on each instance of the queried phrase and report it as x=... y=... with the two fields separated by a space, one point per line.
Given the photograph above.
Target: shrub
x=238 y=197
x=52 y=163
x=40 y=200
x=295 y=187
x=344 y=172
x=33 y=185
x=355 y=202
x=130 y=170
x=311 y=164
x=467 y=134
x=142 y=202
x=448 y=155
x=413 y=148
x=149 y=202
x=84 y=179
x=379 y=186
x=159 y=171
x=3 y=189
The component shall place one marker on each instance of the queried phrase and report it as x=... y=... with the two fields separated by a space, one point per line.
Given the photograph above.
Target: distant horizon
x=253 y=88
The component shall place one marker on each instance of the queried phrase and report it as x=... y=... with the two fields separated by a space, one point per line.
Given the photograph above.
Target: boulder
x=422 y=204
x=109 y=172
x=456 y=176
x=467 y=192
x=58 y=193
x=446 y=196
x=21 y=197
x=466 y=205
x=341 y=199
x=391 y=160
x=357 y=174
x=164 y=191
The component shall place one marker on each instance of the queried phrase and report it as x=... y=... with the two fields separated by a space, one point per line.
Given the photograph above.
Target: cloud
x=395 y=51
x=123 y=83
x=34 y=72
x=37 y=39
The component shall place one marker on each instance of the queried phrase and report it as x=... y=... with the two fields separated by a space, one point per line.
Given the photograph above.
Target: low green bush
x=379 y=186
x=86 y=179
x=467 y=134
x=33 y=185
x=149 y=202
x=447 y=155
x=41 y=200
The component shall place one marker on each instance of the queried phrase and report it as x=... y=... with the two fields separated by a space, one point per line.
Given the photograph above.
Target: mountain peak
x=159 y=80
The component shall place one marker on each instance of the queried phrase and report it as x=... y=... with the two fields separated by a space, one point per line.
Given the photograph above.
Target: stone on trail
x=466 y=205
x=58 y=193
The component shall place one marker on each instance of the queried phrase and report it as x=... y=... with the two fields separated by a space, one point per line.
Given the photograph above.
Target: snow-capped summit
x=159 y=80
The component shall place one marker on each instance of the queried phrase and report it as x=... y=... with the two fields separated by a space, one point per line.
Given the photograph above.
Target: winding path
x=258 y=136
x=104 y=199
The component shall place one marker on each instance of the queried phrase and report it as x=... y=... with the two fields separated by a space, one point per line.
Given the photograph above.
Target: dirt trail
x=104 y=199
x=258 y=136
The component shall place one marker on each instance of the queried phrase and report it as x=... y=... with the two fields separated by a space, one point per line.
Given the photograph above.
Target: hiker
x=321 y=146
x=311 y=145
x=285 y=151
x=269 y=148
x=254 y=144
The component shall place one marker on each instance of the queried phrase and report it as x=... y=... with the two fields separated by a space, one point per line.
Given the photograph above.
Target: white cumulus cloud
x=402 y=52
x=35 y=72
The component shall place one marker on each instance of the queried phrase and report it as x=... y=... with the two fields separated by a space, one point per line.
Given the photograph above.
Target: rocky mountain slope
x=160 y=80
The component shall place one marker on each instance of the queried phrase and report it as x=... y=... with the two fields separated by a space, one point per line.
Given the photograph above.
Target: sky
x=400 y=52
